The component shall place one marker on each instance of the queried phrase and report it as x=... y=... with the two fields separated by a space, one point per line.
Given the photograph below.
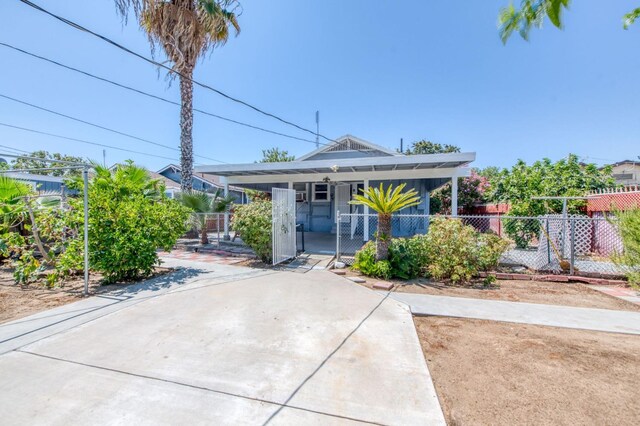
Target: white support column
x=366 y=214
x=225 y=181
x=427 y=203
x=454 y=195
x=290 y=185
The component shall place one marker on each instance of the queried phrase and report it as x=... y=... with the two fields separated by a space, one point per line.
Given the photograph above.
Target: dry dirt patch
x=549 y=293
x=497 y=373
x=18 y=301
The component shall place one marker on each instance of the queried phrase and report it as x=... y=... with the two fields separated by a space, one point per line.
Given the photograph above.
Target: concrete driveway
x=265 y=347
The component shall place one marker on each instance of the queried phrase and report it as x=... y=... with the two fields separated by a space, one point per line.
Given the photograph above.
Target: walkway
x=624 y=293
x=218 y=346
x=526 y=313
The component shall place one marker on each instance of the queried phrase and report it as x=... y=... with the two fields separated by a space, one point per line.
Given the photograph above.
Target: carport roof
x=344 y=165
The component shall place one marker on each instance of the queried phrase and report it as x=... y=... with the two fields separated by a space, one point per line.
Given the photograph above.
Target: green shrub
x=489 y=249
x=629 y=227
x=451 y=247
x=365 y=262
x=130 y=218
x=253 y=222
x=449 y=251
x=407 y=257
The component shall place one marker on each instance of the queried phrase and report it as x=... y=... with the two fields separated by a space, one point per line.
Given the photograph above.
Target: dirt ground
x=550 y=293
x=18 y=301
x=493 y=373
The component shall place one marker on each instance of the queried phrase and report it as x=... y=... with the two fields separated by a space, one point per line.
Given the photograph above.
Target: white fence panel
x=283 y=224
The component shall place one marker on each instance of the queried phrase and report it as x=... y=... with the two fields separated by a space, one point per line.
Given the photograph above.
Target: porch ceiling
x=405 y=163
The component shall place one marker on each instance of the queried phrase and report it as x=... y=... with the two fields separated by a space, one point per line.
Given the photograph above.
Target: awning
x=375 y=168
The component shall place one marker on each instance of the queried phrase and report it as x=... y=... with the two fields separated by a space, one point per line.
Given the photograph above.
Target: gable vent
x=349 y=145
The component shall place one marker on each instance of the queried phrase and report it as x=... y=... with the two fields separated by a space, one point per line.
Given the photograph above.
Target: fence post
x=218 y=228
x=338 y=236
x=573 y=246
x=548 y=242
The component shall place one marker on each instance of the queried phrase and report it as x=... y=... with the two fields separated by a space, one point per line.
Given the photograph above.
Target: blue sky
x=379 y=70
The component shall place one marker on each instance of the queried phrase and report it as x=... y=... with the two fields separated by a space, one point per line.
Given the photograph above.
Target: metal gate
x=283 y=224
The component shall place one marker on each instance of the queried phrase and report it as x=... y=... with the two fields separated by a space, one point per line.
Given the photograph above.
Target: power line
x=101 y=127
x=169 y=69
x=14 y=149
x=150 y=95
x=83 y=141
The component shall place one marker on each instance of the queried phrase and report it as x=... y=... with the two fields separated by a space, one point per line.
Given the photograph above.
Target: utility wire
x=150 y=95
x=100 y=127
x=170 y=70
x=15 y=149
x=83 y=141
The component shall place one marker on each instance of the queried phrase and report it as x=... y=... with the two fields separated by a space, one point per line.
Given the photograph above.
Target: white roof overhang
x=392 y=167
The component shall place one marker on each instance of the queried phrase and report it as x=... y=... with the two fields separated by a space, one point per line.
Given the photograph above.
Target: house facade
x=326 y=179
x=627 y=172
x=171 y=174
x=40 y=183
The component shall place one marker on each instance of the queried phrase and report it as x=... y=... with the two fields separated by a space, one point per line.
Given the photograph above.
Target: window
x=320 y=192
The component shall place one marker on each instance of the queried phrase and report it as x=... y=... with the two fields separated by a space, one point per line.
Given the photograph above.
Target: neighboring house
x=627 y=172
x=326 y=179
x=40 y=183
x=171 y=175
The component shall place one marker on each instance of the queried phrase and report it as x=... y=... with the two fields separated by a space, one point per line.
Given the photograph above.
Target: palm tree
x=386 y=203
x=202 y=203
x=12 y=194
x=185 y=30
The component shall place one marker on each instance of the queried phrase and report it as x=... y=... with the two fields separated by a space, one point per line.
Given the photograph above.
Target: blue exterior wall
x=319 y=216
x=201 y=185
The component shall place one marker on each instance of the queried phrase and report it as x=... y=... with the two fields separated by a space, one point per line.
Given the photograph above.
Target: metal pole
x=573 y=245
x=338 y=236
x=85 y=178
x=564 y=224
x=218 y=229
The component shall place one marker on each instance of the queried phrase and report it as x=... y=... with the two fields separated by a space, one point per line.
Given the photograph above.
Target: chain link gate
x=283 y=221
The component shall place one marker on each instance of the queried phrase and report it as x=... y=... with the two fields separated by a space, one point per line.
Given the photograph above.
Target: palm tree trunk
x=186 y=130
x=384 y=236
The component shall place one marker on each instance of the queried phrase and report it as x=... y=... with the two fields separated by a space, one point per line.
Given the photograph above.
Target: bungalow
x=40 y=183
x=171 y=175
x=326 y=178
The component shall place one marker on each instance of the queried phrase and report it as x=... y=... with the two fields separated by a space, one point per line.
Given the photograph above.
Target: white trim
x=351 y=176
x=343 y=165
x=341 y=139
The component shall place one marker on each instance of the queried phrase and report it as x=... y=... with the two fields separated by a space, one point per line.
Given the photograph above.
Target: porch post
x=454 y=195
x=290 y=185
x=226 y=212
x=366 y=214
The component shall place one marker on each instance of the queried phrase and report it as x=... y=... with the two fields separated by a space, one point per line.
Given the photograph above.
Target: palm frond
x=387 y=201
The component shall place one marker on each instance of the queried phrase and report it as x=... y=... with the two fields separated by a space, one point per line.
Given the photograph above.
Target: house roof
x=168 y=183
x=375 y=168
x=196 y=177
x=620 y=163
x=348 y=143
x=33 y=177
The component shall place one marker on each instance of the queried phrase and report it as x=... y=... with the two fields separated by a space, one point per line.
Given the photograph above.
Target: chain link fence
x=550 y=243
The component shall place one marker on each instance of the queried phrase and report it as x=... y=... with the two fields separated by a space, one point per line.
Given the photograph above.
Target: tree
x=427 y=147
x=275 y=155
x=185 y=30
x=532 y=14
x=201 y=203
x=471 y=191
x=24 y=163
x=567 y=177
x=385 y=203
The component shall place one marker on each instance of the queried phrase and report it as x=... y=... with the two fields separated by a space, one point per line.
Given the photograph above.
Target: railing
x=537 y=243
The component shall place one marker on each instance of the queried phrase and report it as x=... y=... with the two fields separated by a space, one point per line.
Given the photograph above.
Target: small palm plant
x=385 y=203
x=202 y=203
